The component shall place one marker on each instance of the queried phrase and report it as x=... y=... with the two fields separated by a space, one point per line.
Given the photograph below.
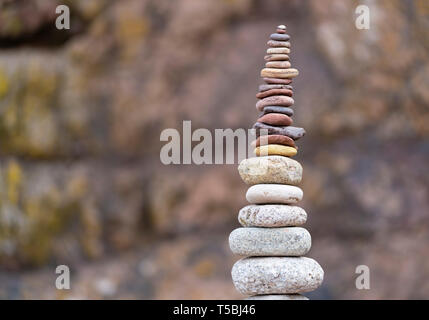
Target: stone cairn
x=271 y=238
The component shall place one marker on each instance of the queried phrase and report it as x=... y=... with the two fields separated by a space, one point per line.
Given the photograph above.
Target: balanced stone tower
x=272 y=239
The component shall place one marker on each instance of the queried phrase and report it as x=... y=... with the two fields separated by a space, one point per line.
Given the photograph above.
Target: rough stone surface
x=272 y=215
x=278 y=297
x=293 y=132
x=273 y=194
x=276 y=275
x=270 y=169
x=275 y=149
x=254 y=241
x=277 y=109
x=279 y=73
x=274 y=100
x=274 y=139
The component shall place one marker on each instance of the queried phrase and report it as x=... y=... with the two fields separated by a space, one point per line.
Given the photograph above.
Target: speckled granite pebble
x=276 y=275
x=271 y=215
x=253 y=241
x=278 y=297
x=270 y=169
x=273 y=194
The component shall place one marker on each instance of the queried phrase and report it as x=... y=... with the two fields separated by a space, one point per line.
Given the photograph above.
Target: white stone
x=289 y=241
x=273 y=194
x=276 y=275
x=271 y=215
x=270 y=169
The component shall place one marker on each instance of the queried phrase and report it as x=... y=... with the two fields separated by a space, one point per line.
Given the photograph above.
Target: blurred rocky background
x=81 y=182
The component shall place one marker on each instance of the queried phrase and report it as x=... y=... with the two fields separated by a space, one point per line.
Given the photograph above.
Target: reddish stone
x=274 y=92
x=277 y=139
x=276 y=119
x=277 y=81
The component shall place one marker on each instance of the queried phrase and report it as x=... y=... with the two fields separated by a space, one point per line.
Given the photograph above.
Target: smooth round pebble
x=266 y=87
x=275 y=149
x=270 y=169
x=276 y=275
x=279 y=73
x=274 y=92
x=277 y=109
x=271 y=216
x=285 y=101
x=275 y=43
x=276 y=57
x=278 y=64
x=278 y=50
x=277 y=81
x=280 y=37
x=266 y=242
x=273 y=194
x=276 y=119
x=278 y=297
x=274 y=139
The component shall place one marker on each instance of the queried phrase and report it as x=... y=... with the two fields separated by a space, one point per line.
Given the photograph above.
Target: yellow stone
x=279 y=73
x=275 y=149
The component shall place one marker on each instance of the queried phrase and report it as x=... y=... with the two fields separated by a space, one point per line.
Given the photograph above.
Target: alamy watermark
x=362 y=282
x=62 y=282
x=201 y=146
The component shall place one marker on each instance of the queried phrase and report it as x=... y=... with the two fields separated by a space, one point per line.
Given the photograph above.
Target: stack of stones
x=272 y=239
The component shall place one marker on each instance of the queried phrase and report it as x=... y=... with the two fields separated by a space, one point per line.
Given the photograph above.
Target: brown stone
x=281 y=31
x=276 y=119
x=274 y=92
x=278 y=64
x=274 y=101
x=265 y=87
x=277 y=81
x=276 y=57
x=275 y=139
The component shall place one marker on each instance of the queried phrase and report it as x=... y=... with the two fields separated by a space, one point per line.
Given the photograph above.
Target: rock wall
x=82 y=111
